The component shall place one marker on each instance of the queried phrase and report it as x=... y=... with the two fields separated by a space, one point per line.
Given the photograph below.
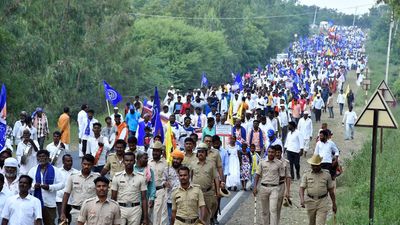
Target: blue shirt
x=132 y=120
x=225 y=160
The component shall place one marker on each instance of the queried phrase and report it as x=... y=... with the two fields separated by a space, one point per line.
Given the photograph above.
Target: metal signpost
x=376 y=114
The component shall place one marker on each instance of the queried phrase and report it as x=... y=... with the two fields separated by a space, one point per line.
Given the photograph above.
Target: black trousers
x=317 y=115
x=294 y=161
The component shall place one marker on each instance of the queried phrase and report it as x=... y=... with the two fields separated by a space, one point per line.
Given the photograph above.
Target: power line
x=234 y=18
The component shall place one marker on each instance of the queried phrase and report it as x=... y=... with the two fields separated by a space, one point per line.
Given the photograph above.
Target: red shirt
x=185 y=106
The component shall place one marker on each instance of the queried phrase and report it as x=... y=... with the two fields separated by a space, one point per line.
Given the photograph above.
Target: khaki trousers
x=317 y=210
x=280 y=200
x=74 y=216
x=131 y=215
x=211 y=203
x=269 y=204
x=158 y=214
x=49 y=215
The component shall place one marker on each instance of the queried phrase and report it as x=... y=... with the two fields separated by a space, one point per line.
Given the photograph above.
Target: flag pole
x=108 y=107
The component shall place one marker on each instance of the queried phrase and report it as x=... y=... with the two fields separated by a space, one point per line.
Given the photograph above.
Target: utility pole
x=354 y=18
x=388 y=49
x=315 y=15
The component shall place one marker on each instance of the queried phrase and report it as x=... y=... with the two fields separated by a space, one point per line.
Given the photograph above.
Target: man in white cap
x=11 y=175
x=305 y=127
x=316 y=200
x=116 y=113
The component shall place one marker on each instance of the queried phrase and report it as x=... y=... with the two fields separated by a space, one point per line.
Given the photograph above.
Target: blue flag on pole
x=238 y=81
x=156 y=119
x=3 y=114
x=111 y=94
x=204 y=80
x=156 y=107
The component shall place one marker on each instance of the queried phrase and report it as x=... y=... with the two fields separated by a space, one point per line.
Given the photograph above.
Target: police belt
x=269 y=185
x=185 y=220
x=77 y=207
x=159 y=187
x=206 y=189
x=281 y=182
x=317 y=197
x=129 y=204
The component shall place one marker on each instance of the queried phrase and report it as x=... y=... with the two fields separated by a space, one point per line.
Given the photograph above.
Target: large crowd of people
x=128 y=176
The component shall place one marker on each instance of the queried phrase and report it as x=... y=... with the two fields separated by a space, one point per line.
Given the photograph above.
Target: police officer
x=270 y=171
x=129 y=189
x=79 y=187
x=187 y=201
x=115 y=161
x=318 y=183
x=100 y=209
x=205 y=174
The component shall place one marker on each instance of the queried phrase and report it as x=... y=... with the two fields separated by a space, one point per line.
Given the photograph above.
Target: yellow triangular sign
x=377 y=104
x=386 y=92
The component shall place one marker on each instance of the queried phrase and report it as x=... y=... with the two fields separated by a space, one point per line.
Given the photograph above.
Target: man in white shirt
x=305 y=127
x=23 y=208
x=98 y=147
x=317 y=105
x=66 y=170
x=4 y=193
x=18 y=124
x=47 y=181
x=56 y=149
x=199 y=119
x=328 y=151
x=26 y=152
x=349 y=118
x=11 y=176
x=86 y=132
x=341 y=99
x=82 y=116
x=284 y=120
x=294 y=147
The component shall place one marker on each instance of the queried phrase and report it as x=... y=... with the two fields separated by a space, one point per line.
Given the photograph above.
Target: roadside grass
x=353 y=198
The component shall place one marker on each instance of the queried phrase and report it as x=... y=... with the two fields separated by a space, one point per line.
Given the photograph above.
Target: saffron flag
x=347 y=89
x=111 y=94
x=230 y=113
x=169 y=143
x=3 y=114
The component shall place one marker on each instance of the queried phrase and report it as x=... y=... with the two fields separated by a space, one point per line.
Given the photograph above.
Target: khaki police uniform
x=187 y=203
x=204 y=175
x=270 y=172
x=129 y=188
x=159 y=209
x=80 y=189
x=94 y=212
x=282 y=186
x=114 y=165
x=214 y=156
x=189 y=159
x=316 y=199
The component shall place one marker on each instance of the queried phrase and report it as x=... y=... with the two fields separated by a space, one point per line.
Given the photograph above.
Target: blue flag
x=156 y=107
x=204 y=80
x=238 y=81
x=156 y=119
x=3 y=114
x=111 y=94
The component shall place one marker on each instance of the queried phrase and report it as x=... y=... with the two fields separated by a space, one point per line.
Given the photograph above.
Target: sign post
x=376 y=114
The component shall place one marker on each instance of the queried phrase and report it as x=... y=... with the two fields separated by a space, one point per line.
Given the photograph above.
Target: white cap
x=306 y=112
x=11 y=162
x=116 y=107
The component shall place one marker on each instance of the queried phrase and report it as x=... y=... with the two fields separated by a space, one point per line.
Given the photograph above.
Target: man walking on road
x=270 y=171
x=305 y=127
x=350 y=118
x=316 y=200
x=294 y=147
x=341 y=99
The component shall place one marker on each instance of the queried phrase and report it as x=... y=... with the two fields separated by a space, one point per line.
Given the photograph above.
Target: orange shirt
x=64 y=127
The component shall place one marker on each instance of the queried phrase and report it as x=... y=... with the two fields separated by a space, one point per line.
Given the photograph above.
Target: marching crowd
x=128 y=176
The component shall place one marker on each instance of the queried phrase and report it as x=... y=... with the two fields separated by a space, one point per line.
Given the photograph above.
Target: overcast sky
x=345 y=6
